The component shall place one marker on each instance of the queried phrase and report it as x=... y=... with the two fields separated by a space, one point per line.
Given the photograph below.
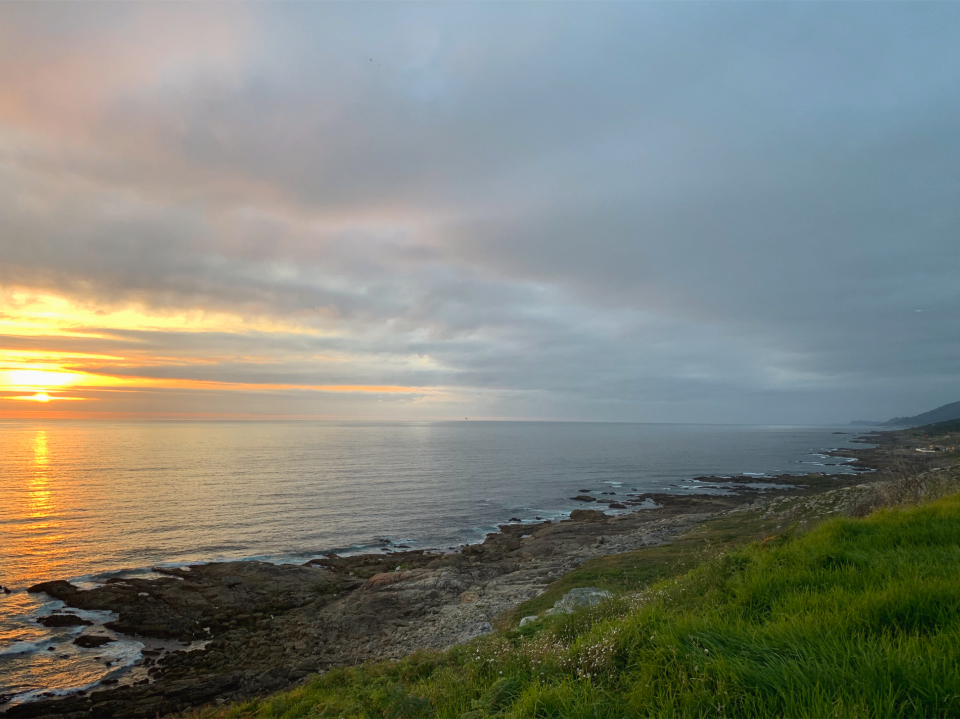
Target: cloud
x=630 y=212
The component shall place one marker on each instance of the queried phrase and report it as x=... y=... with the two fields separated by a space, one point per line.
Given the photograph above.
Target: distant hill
x=941 y=414
x=952 y=425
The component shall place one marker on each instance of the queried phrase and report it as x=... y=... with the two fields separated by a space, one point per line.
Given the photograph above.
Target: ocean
x=89 y=500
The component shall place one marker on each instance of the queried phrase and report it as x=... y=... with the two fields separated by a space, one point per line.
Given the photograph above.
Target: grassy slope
x=636 y=570
x=858 y=618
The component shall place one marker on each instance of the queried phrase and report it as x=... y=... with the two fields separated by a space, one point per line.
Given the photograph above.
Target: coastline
x=273 y=625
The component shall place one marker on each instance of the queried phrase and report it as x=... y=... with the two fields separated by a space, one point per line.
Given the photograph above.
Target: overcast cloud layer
x=643 y=212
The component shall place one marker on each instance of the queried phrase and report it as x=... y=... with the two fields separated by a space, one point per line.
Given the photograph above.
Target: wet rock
x=91 y=641
x=584 y=498
x=63 y=620
x=58 y=589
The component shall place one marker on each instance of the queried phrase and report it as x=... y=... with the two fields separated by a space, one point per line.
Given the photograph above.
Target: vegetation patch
x=857 y=618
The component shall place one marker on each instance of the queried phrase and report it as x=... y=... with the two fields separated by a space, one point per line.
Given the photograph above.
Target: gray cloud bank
x=643 y=212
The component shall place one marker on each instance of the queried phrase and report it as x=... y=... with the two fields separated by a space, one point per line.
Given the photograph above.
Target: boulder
x=587 y=515
x=578 y=599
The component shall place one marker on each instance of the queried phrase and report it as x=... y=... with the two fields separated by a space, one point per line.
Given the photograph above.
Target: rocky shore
x=254 y=628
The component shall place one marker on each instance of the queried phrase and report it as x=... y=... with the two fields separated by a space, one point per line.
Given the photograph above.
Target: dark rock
x=584 y=498
x=91 y=641
x=617 y=505
x=58 y=589
x=63 y=620
x=587 y=515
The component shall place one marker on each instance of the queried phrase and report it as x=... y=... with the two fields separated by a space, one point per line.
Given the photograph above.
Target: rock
x=58 y=589
x=528 y=620
x=617 y=505
x=584 y=498
x=90 y=641
x=476 y=631
x=580 y=598
x=232 y=581
x=469 y=597
x=587 y=515
x=63 y=620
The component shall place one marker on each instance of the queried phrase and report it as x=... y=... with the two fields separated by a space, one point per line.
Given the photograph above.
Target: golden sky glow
x=39 y=373
x=30 y=314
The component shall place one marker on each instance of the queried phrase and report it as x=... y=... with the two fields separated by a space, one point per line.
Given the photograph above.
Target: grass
x=636 y=570
x=857 y=618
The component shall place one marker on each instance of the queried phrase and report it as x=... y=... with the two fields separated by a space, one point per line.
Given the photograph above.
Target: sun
x=41 y=397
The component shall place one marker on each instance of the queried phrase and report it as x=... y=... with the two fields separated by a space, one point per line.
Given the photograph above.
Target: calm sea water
x=85 y=500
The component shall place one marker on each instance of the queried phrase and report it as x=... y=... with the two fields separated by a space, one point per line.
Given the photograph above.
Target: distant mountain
x=940 y=414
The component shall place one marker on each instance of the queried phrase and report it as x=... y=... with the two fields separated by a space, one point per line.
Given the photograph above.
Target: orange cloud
x=36 y=376
x=24 y=313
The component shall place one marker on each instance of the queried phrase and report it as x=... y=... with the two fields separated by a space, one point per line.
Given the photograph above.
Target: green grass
x=637 y=570
x=857 y=618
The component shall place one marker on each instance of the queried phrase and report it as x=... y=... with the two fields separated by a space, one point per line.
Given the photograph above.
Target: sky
x=644 y=212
